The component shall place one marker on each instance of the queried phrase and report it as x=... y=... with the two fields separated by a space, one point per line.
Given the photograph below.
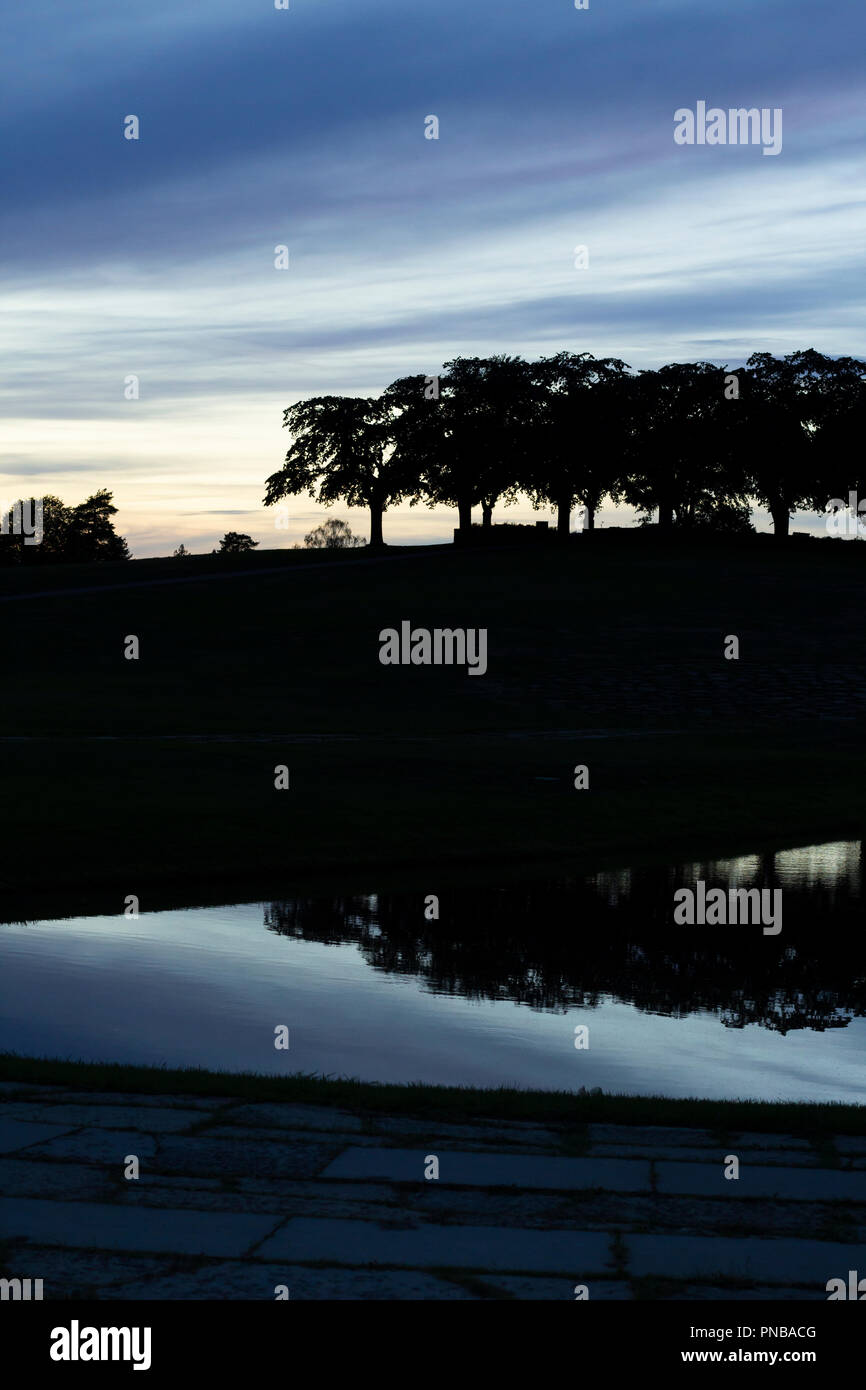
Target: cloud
x=305 y=128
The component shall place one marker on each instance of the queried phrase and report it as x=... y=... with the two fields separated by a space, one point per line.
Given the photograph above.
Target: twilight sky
x=305 y=127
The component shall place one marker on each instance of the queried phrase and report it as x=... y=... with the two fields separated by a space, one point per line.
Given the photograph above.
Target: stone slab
x=529 y=1172
x=18 y=1134
x=148 y=1118
x=135 y=1099
x=648 y=1136
x=79 y=1273
x=798 y=1158
x=315 y=1117
x=458 y=1247
x=789 y=1184
x=752 y=1139
x=289 y=1157
x=104 y=1226
x=528 y=1287
x=510 y=1136
x=652 y=1137
x=103 y=1146
x=204 y=1198
x=236 y=1280
x=21 y=1177
x=281 y=1138
x=707 y=1292
x=782 y=1261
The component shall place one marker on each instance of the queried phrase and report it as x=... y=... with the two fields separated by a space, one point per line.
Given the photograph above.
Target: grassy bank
x=445 y=1103
x=156 y=776
x=180 y=823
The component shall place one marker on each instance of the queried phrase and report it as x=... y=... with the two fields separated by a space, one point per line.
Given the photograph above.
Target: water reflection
x=611 y=936
x=487 y=993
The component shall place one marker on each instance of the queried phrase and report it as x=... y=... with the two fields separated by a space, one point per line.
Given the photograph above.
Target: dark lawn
x=155 y=776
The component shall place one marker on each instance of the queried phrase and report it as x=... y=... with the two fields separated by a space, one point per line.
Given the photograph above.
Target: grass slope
x=156 y=776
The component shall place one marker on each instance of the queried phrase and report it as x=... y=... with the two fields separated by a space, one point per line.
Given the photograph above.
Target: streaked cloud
x=262 y=127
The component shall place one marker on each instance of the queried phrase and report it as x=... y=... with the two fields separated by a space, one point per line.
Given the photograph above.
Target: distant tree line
x=44 y=530
x=690 y=445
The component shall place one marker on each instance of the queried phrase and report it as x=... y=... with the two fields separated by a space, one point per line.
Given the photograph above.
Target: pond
x=490 y=992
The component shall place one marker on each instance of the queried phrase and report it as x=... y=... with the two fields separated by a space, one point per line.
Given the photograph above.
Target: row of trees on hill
x=691 y=444
x=44 y=530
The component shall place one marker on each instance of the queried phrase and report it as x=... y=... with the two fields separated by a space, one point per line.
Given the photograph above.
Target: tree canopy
x=691 y=445
x=44 y=530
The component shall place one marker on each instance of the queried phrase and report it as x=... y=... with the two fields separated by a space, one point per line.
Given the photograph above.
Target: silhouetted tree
x=342 y=450
x=578 y=434
x=508 y=400
x=570 y=428
x=82 y=533
x=419 y=431
x=724 y=517
x=236 y=543
x=91 y=534
x=332 y=535
x=838 y=390
x=467 y=439
x=17 y=548
x=776 y=438
x=680 y=458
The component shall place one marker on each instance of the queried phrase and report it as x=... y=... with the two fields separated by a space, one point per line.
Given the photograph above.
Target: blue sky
x=305 y=127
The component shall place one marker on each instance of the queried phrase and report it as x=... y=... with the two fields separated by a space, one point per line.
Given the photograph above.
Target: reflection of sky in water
x=208 y=986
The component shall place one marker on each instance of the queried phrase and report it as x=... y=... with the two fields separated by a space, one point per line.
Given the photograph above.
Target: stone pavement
x=235 y=1198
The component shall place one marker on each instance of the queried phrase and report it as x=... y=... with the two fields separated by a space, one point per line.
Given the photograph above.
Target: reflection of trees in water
x=573 y=944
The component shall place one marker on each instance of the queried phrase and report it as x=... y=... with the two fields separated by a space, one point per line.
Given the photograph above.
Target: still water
x=488 y=994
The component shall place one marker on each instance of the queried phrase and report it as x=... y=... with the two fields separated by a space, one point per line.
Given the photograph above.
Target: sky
x=305 y=128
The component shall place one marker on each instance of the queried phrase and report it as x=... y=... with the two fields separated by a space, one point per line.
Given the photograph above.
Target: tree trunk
x=464 y=515
x=486 y=513
x=376 y=513
x=563 y=514
x=666 y=516
x=781 y=518
x=590 y=518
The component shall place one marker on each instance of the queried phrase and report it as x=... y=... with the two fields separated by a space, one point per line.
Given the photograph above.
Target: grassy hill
x=156 y=776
